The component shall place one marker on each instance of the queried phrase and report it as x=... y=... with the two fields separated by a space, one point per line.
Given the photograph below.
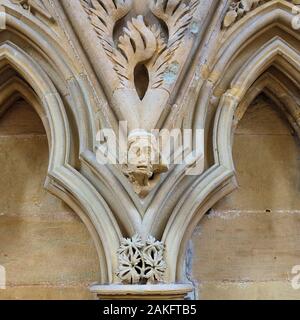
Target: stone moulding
x=142 y=292
x=62 y=179
x=232 y=48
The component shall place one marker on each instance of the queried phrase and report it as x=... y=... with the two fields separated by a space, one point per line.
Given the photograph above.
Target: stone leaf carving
x=177 y=16
x=140 y=43
x=137 y=45
x=140 y=261
x=238 y=9
x=142 y=52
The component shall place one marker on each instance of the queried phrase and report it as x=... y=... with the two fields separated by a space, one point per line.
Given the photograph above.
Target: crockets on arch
x=239 y=8
x=145 y=69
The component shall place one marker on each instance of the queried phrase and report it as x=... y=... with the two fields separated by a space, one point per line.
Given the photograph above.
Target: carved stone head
x=144 y=161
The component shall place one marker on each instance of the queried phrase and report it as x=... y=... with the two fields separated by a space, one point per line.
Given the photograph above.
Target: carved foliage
x=141 y=262
x=137 y=45
x=142 y=61
x=177 y=16
x=140 y=43
x=240 y=8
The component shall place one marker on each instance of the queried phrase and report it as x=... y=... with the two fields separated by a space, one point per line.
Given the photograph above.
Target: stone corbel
x=146 y=265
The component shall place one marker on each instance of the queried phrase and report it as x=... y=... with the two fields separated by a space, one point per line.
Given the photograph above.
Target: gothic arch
x=254 y=26
x=63 y=180
x=14 y=88
x=220 y=180
x=280 y=91
x=234 y=46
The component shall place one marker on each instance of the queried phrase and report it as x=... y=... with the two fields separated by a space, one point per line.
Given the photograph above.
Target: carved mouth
x=143 y=168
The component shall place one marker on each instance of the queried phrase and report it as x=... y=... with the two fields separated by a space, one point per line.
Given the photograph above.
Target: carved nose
x=142 y=160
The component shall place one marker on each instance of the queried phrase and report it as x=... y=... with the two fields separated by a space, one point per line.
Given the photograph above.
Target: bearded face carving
x=145 y=163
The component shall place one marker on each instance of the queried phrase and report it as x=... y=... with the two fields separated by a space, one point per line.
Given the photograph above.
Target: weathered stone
x=39 y=252
x=46 y=293
x=248 y=244
x=85 y=66
x=269 y=290
x=45 y=249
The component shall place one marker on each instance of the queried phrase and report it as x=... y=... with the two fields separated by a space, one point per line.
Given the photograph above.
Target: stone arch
x=243 y=236
x=274 y=53
x=269 y=20
x=90 y=113
x=220 y=179
x=281 y=94
x=273 y=14
x=63 y=180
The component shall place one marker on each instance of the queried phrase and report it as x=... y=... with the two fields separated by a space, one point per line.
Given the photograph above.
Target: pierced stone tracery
x=141 y=261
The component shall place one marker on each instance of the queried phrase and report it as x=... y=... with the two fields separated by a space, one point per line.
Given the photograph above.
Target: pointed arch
x=14 y=88
x=278 y=90
x=63 y=180
x=255 y=25
x=275 y=53
x=219 y=180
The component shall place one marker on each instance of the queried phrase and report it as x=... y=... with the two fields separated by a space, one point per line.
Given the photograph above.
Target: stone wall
x=246 y=246
x=45 y=248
